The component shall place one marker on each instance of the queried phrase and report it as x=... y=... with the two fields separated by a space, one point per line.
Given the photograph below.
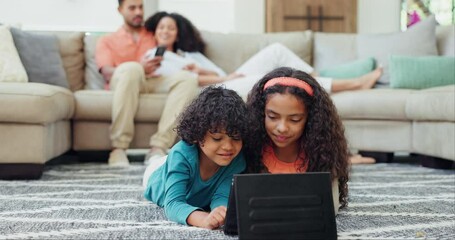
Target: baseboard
x=91 y=156
x=435 y=162
x=381 y=157
x=21 y=171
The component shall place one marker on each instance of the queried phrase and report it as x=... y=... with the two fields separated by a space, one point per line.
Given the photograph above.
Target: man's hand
x=150 y=65
x=107 y=72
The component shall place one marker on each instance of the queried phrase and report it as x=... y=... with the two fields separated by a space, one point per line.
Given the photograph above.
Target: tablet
x=271 y=206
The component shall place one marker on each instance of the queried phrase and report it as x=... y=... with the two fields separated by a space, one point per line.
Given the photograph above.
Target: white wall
x=244 y=16
x=248 y=16
x=61 y=15
x=212 y=15
x=378 y=16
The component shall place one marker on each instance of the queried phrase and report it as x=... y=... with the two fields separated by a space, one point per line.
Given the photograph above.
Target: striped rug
x=93 y=201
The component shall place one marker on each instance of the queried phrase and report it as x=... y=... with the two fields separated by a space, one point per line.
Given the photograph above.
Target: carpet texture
x=93 y=201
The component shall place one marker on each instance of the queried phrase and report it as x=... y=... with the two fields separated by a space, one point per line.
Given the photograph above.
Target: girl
x=301 y=130
x=186 y=47
x=193 y=182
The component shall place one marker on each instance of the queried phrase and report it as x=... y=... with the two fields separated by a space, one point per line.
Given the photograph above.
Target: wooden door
x=317 y=15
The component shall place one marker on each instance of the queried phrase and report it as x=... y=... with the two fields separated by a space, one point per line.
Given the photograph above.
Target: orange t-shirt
x=119 y=47
x=274 y=165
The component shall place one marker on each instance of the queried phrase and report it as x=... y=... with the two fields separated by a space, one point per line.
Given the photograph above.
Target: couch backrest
x=331 y=49
x=93 y=79
x=445 y=36
x=229 y=51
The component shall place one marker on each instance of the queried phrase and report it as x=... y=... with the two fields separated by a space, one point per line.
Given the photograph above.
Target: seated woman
x=185 y=49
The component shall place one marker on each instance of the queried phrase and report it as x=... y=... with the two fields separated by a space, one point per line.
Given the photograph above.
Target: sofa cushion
x=34 y=103
x=421 y=72
x=334 y=49
x=434 y=139
x=97 y=105
x=352 y=69
x=41 y=57
x=11 y=68
x=71 y=47
x=229 y=51
x=418 y=40
x=445 y=36
x=93 y=78
x=433 y=104
x=387 y=104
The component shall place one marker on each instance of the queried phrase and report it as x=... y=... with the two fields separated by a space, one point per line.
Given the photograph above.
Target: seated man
x=121 y=61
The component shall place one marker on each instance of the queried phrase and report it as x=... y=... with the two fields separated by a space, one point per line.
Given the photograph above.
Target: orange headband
x=290 y=82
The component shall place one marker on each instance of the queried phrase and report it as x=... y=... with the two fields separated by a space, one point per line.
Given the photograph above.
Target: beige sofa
x=39 y=122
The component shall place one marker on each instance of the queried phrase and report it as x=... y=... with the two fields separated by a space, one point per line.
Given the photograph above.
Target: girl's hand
x=216 y=218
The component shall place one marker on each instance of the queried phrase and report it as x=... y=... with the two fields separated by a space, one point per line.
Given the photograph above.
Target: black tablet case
x=271 y=206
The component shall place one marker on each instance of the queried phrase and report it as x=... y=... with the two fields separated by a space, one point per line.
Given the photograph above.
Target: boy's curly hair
x=323 y=141
x=188 y=36
x=214 y=110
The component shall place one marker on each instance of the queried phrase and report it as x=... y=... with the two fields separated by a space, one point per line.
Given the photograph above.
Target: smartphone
x=160 y=51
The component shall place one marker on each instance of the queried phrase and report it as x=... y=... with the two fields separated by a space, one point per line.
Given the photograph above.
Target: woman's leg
x=271 y=57
x=242 y=85
x=366 y=81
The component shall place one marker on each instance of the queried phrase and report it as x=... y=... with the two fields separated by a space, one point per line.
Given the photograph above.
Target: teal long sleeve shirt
x=177 y=185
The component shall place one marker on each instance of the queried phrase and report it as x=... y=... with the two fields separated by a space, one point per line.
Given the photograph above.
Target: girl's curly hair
x=188 y=36
x=322 y=141
x=214 y=110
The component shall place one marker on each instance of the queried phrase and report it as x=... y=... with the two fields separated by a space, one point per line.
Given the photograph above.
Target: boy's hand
x=216 y=218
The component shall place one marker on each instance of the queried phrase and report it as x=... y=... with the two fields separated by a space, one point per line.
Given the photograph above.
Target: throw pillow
x=332 y=49
x=11 y=68
x=349 y=70
x=421 y=72
x=41 y=58
x=93 y=78
x=72 y=54
x=418 y=40
x=445 y=37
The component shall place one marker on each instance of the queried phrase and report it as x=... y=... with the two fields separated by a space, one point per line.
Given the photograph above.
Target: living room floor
x=90 y=200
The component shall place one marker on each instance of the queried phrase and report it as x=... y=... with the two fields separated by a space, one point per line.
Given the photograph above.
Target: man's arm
x=104 y=59
x=107 y=72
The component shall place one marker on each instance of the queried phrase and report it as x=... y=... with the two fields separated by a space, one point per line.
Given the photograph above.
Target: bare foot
x=368 y=80
x=359 y=159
